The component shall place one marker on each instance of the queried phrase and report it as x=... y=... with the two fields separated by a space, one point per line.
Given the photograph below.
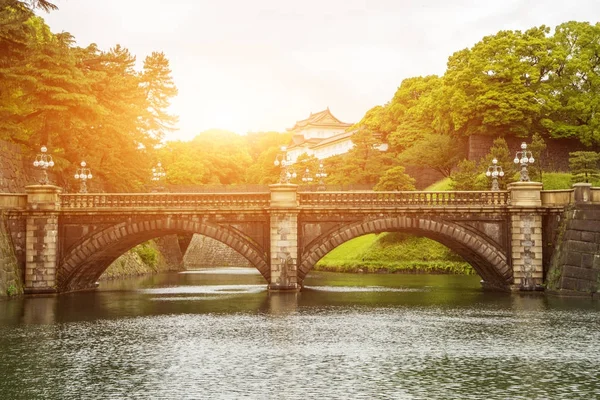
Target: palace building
x=321 y=135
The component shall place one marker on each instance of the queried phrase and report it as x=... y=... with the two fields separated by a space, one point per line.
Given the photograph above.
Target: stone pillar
x=582 y=193
x=41 y=245
x=526 y=235
x=284 y=238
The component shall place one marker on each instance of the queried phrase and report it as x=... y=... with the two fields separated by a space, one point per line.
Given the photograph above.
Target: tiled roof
x=315 y=142
x=322 y=118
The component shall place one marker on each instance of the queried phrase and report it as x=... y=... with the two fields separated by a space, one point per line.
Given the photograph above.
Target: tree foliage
x=470 y=175
x=585 y=165
x=82 y=103
x=395 y=179
x=435 y=151
x=363 y=164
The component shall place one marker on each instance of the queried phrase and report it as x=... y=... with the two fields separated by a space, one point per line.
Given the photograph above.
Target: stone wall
x=207 y=252
x=423 y=176
x=13 y=175
x=575 y=265
x=11 y=282
x=554 y=158
x=169 y=248
x=131 y=264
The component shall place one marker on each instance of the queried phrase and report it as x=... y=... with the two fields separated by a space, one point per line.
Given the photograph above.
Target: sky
x=262 y=65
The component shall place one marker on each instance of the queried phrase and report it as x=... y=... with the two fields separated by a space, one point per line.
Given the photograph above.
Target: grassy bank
x=143 y=259
x=550 y=180
x=393 y=253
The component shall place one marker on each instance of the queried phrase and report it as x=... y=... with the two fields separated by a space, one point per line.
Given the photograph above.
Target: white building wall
x=334 y=149
x=320 y=133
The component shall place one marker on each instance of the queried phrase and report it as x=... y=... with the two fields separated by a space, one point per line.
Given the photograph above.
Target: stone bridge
x=66 y=241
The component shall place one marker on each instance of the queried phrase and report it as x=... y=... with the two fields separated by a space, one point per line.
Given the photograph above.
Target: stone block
x=573 y=258
x=588 y=236
x=585 y=225
x=570 y=271
x=582 y=247
x=568 y=283
x=587 y=260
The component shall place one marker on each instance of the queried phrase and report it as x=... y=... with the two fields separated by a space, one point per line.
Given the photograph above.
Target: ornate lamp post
x=307 y=177
x=287 y=172
x=158 y=173
x=494 y=171
x=524 y=157
x=321 y=174
x=84 y=174
x=43 y=161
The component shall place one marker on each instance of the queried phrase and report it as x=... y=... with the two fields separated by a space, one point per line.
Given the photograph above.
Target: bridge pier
x=526 y=235
x=43 y=208
x=284 y=238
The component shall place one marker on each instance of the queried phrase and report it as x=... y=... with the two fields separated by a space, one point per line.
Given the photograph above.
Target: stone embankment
x=205 y=252
x=10 y=274
x=159 y=255
x=575 y=267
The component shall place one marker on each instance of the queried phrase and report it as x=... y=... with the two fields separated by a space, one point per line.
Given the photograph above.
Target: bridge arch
x=486 y=257
x=85 y=261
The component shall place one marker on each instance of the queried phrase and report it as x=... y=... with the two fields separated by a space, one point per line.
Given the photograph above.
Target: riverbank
x=146 y=258
x=393 y=253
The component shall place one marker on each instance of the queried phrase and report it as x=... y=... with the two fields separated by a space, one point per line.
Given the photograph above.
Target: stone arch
x=83 y=264
x=488 y=260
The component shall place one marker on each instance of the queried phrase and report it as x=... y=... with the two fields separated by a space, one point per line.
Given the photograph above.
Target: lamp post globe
x=287 y=171
x=524 y=158
x=494 y=171
x=83 y=174
x=43 y=161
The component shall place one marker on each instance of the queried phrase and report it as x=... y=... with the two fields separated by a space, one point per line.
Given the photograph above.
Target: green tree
x=573 y=84
x=493 y=88
x=468 y=175
x=584 y=165
x=395 y=179
x=160 y=88
x=439 y=152
x=538 y=150
x=263 y=148
x=363 y=164
x=402 y=120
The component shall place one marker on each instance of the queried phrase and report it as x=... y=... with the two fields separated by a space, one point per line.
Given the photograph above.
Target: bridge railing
x=13 y=201
x=595 y=195
x=407 y=198
x=560 y=197
x=164 y=200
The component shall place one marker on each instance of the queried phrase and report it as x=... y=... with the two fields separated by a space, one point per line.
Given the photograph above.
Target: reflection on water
x=219 y=334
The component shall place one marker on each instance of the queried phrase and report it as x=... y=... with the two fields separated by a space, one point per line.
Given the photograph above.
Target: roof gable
x=322 y=118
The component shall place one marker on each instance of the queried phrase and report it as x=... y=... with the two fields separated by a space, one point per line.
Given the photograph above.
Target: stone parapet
x=525 y=194
x=582 y=193
x=43 y=197
x=284 y=195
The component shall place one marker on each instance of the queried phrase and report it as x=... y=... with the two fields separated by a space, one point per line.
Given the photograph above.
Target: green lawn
x=393 y=252
x=550 y=180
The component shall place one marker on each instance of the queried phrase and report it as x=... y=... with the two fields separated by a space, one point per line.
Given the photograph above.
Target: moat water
x=217 y=333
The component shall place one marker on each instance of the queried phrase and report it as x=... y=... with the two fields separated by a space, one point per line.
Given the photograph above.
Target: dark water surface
x=218 y=334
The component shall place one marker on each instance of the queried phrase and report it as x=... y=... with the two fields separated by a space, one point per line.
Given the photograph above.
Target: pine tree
x=395 y=179
x=160 y=88
x=584 y=165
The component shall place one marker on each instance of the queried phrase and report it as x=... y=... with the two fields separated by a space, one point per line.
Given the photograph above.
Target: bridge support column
x=43 y=206
x=526 y=235
x=284 y=238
